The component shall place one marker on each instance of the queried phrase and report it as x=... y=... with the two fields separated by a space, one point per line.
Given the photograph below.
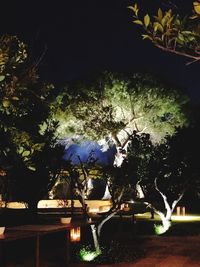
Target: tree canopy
x=165 y=171
x=26 y=150
x=113 y=106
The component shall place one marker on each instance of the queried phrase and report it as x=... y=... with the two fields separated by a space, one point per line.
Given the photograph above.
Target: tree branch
x=184 y=54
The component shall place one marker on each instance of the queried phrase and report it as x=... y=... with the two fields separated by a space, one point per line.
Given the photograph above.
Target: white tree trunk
x=99 y=227
x=96 y=232
x=119 y=157
x=107 y=194
x=166 y=217
x=95 y=239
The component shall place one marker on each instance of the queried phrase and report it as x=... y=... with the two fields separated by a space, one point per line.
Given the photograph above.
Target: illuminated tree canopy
x=22 y=99
x=114 y=106
x=170 y=31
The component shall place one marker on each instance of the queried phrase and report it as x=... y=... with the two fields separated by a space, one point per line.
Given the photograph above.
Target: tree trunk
x=166 y=222
x=166 y=217
x=96 y=231
x=95 y=239
x=100 y=225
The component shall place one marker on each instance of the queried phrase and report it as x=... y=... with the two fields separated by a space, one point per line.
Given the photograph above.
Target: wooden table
x=39 y=230
x=10 y=236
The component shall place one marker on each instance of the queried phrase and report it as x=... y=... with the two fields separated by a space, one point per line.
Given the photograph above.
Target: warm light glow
x=2 y=229
x=104 y=208
x=180 y=210
x=2 y=173
x=180 y=218
x=185 y=218
x=75 y=234
x=61 y=203
x=16 y=205
x=93 y=210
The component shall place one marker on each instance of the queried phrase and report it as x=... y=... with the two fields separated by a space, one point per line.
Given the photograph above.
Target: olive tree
x=112 y=106
x=119 y=185
x=164 y=171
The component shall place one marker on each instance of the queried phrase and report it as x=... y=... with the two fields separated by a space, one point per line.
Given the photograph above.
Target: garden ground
x=139 y=246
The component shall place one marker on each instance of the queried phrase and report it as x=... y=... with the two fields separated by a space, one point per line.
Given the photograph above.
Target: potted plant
x=65 y=219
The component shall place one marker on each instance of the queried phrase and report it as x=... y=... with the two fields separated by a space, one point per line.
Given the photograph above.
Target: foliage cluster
x=170 y=31
x=113 y=106
x=25 y=151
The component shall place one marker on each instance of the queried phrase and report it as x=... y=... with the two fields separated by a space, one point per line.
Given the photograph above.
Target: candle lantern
x=75 y=234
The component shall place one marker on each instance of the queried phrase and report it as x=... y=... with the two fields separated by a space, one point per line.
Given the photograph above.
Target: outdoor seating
x=36 y=231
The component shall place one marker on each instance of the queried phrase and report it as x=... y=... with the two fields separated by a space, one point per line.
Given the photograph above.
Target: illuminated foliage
x=87 y=255
x=171 y=32
x=159 y=229
x=22 y=98
x=114 y=106
x=24 y=101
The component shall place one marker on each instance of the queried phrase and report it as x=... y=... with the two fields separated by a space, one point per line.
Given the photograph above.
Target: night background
x=75 y=40
x=82 y=38
x=61 y=156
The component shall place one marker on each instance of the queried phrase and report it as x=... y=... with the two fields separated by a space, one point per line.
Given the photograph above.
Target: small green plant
x=159 y=229
x=88 y=255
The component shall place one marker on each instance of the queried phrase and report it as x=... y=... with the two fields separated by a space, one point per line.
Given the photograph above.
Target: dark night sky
x=84 y=37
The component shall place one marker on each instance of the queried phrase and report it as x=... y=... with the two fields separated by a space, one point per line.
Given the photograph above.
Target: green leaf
x=181 y=37
x=137 y=21
x=6 y=103
x=15 y=98
x=177 y=21
x=191 y=38
x=26 y=153
x=168 y=13
x=158 y=26
x=2 y=77
x=32 y=168
x=193 y=16
x=187 y=32
x=164 y=21
x=160 y=14
x=21 y=149
x=134 y=9
x=170 y=21
x=131 y=8
x=145 y=36
x=196 y=7
x=146 y=20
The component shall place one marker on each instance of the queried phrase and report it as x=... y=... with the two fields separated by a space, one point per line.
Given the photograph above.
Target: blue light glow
x=84 y=149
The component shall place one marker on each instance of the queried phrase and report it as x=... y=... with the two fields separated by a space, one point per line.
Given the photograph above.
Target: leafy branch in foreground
x=171 y=32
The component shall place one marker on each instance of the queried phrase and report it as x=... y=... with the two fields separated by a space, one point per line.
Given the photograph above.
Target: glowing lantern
x=75 y=234
x=180 y=211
